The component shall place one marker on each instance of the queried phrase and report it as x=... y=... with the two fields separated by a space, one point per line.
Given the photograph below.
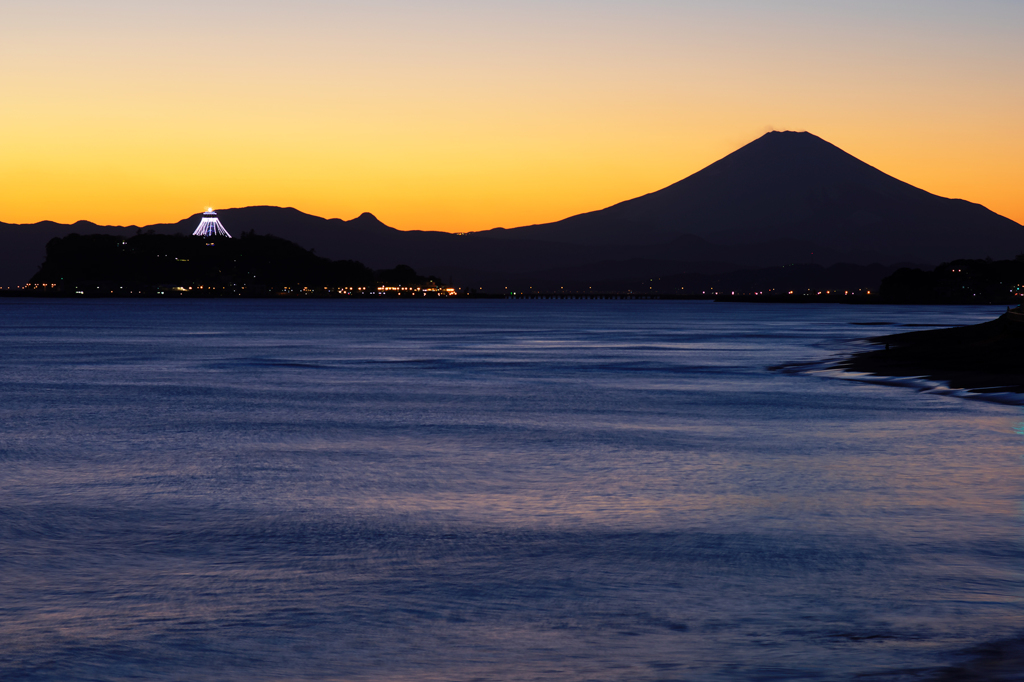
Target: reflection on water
x=459 y=490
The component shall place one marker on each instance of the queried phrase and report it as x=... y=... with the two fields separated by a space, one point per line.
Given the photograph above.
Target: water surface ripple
x=500 y=490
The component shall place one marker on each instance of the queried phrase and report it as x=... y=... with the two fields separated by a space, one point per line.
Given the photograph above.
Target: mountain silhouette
x=784 y=198
x=796 y=186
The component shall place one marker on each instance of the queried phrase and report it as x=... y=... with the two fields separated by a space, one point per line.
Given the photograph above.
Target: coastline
x=982 y=357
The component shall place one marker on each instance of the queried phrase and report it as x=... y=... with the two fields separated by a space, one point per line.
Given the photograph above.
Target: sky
x=458 y=116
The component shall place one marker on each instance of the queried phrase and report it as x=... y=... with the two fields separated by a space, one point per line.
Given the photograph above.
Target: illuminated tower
x=210 y=226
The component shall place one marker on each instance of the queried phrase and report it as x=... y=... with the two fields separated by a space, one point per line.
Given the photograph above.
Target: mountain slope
x=788 y=185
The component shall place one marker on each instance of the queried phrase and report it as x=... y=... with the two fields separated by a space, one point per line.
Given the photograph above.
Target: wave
x=834 y=369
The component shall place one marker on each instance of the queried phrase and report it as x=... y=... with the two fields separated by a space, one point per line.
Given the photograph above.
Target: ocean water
x=492 y=490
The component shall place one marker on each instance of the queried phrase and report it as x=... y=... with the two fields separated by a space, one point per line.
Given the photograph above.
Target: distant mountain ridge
x=784 y=198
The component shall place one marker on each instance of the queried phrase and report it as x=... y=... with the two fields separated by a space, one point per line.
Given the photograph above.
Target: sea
x=468 y=490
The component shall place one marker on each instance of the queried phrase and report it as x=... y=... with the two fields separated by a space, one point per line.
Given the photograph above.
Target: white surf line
x=923 y=384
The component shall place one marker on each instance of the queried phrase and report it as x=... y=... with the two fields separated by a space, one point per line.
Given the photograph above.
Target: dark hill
x=961 y=281
x=24 y=246
x=250 y=265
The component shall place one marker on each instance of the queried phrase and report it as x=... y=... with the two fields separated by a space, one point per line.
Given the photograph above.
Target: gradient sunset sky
x=458 y=116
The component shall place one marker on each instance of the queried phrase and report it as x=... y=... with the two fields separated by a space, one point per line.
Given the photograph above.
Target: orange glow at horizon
x=464 y=117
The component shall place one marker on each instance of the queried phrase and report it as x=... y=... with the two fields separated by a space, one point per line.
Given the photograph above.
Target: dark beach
x=980 y=357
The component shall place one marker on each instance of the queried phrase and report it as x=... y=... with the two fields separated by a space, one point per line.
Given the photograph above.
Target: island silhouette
x=151 y=264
